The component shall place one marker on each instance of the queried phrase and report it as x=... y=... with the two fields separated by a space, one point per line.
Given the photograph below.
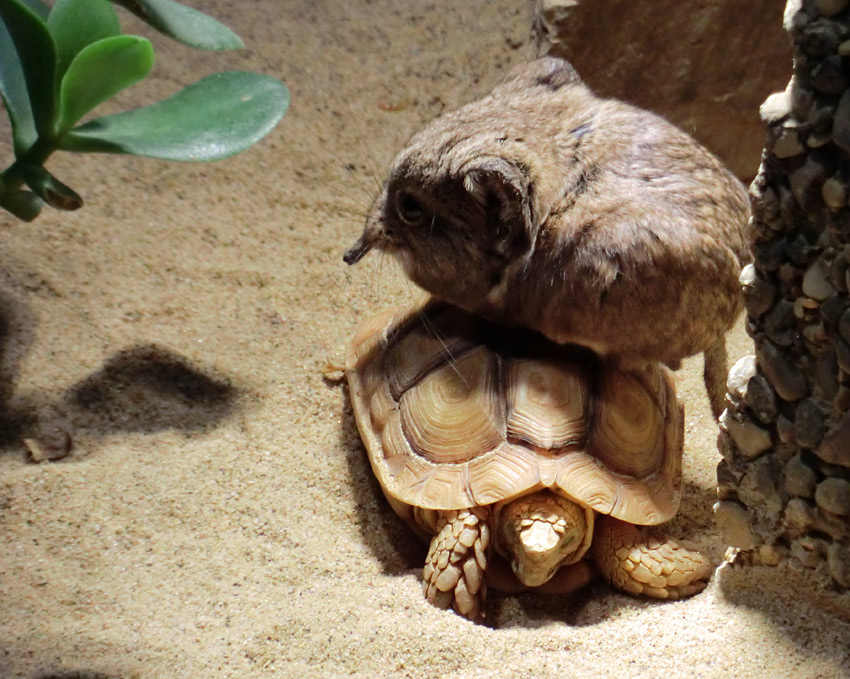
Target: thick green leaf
x=217 y=117
x=100 y=71
x=23 y=204
x=75 y=24
x=33 y=49
x=38 y=8
x=49 y=189
x=13 y=88
x=184 y=24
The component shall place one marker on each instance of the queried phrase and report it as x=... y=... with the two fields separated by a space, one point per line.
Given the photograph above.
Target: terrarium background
x=219 y=517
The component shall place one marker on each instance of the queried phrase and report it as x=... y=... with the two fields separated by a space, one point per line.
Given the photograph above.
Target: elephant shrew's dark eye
x=409 y=209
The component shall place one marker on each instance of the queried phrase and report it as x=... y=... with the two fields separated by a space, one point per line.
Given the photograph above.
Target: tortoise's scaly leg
x=659 y=568
x=454 y=569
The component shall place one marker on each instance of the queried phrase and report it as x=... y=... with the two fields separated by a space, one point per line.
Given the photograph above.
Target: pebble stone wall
x=784 y=481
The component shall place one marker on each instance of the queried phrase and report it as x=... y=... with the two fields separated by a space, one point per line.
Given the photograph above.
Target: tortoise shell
x=456 y=412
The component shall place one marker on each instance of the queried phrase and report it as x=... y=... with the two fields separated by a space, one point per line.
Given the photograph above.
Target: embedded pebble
x=838 y=273
x=816 y=140
x=779 y=323
x=841 y=123
x=816 y=282
x=751 y=439
x=834 y=192
x=726 y=481
x=844 y=48
x=808 y=422
x=799 y=248
x=776 y=107
x=785 y=429
x=838 y=559
x=762 y=399
x=826 y=376
x=733 y=524
x=771 y=255
x=741 y=373
x=833 y=495
x=800 y=514
x=842 y=353
x=785 y=377
x=52 y=441
x=834 y=525
x=832 y=308
x=844 y=325
x=758 y=486
x=841 y=402
x=820 y=38
x=806 y=181
x=801 y=97
x=765 y=199
x=808 y=550
x=828 y=77
x=835 y=446
x=789 y=275
x=770 y=555
x=800 y=478
x=758 y=293
x=831 y=7
x=759 y=297
x=821 y=117
x=801 y=309
x=788 y=144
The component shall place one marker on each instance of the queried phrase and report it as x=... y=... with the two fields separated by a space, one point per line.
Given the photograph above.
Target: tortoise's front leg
x=454 y=569
x=659 y=568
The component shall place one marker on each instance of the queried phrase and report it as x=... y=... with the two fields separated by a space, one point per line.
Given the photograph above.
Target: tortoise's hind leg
x=714 y=374
x=654 y=567
x=454 y=569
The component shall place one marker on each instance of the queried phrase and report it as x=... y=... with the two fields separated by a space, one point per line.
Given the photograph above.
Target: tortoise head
x=540 y=532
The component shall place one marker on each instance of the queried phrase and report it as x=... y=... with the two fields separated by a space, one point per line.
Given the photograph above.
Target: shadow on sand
x=146 y=389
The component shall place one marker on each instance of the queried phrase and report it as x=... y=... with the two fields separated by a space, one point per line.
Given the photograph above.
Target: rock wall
x=784 y=482
x=707 y=73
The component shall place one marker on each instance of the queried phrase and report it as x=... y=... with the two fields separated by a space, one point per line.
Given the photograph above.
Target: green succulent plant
x=59 y=63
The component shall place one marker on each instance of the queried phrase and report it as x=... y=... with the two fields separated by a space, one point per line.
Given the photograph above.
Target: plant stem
x=37 y=154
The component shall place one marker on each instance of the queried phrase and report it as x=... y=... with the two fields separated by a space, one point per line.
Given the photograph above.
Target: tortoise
x=505 y=449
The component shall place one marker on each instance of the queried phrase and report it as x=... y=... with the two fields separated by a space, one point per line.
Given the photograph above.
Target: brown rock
x=800 y=514
x=733 y=524
x=833 y=495
x=831 y=7
x=808 y=422
x=808 y=550
x=783 y=374
x=758 y=293
x=835 y=447
x=838 y=559
x=800 y=479
x=750 y=439
x=680 y=73
x=816 y=281
x=841 y=123
x=844 y=325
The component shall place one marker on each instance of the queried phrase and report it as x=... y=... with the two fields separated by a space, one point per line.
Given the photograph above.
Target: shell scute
x=455 y=413
x=547 y=402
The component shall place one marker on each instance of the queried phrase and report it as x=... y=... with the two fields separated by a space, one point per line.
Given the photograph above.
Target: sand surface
x=218 y=517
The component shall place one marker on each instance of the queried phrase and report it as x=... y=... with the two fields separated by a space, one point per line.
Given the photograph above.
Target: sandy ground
x=218 y=517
